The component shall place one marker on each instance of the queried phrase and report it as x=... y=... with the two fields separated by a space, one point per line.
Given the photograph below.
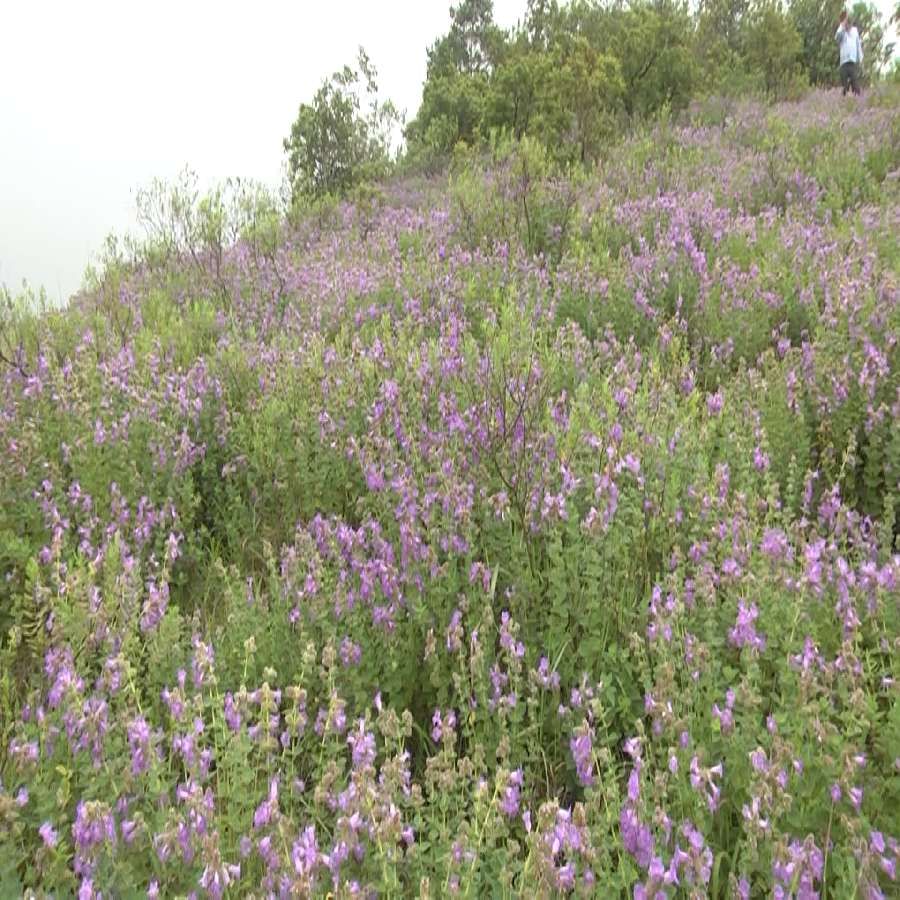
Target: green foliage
x=563 y=78
x=181 y=222
x=772 y=47
x=877 y=51
x=654 y=45
x=455 y=95
x=473 y=45
x=590 y=88
x=520 y=99
x=343 y=136
x=515 y=196
x=451 y=112
x=571 y=75
x=475 y=537
x=721 y=26
x=817 y=22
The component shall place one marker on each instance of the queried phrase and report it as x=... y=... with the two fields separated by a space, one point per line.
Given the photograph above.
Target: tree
x=452 y=110
x=651 y=39
x=876 y=51
x=518 y=99
x=473 y=45
x=816 y=22
x=724 y=22
x=773 y=47
x=588 y=88
x=655 y=46
x=460 y=65
x=541 y=20
x=720 y=38
x=343 y=136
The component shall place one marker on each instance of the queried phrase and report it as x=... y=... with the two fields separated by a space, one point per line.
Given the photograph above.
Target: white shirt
x=850 y=44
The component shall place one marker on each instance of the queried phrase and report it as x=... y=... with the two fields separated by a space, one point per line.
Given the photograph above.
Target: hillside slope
x=518 y=535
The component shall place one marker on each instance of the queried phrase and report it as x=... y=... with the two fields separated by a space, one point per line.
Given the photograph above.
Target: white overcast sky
x=99 y=97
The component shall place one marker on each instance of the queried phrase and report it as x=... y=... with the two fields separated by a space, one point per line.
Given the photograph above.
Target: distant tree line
x=569 y=76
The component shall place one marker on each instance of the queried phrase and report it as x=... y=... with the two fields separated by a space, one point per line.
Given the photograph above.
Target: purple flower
x=443 y=726
x=744 y=633
x=138 y=732
x=760 y=459
x=362 y=743
x=774 y=543
x=305 y=852
x=509 y=801
x=636 y=838
x=545 y=678
x=705 y=779
x=232 y=714
x=725 y=717
x=799 y=870
x=129 y=828
x=581 y=745
x=634 y=783
x=155 y=606
x=216 y=878
x=94 y=826
x=268 y=808
x=759 y=761
x=48 y=834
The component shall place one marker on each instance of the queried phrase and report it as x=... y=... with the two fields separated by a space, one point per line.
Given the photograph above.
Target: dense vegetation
x=516 y=534
x=573 y=76
x=526 y=529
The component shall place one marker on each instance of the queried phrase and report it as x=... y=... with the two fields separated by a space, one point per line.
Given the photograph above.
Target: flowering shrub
x=400 y=561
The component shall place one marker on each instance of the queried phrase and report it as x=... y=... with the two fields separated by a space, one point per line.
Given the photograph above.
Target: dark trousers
x=850 y=77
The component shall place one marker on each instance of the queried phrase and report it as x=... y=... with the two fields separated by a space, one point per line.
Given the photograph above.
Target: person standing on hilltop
x=851 y=53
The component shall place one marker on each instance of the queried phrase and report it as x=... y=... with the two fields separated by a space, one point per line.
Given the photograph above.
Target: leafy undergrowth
x=517 y=534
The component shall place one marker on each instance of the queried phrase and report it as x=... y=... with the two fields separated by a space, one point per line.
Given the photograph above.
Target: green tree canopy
x=817 y=20
x=571 y=71
x=877 y=50
x=459 y=68
x=473 y=44
x=343 y=136
x=773 y=46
